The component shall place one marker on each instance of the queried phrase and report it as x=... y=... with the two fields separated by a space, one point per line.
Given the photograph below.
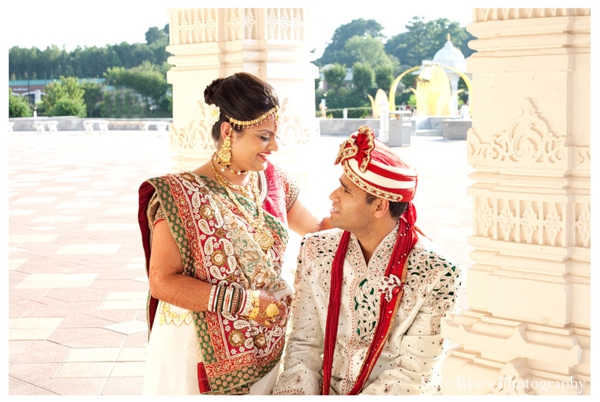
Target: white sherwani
x=414 y=345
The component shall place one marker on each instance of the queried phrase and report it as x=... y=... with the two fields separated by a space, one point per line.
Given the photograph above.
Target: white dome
x=451 y=56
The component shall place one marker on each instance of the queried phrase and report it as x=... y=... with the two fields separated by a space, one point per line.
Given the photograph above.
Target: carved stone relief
x=530 y=222
x=250 y=25
x=235 y=22
x=583 y=225
x=193 y=26
x=526 y=142
x=290 y=127
x=196 y=133
x=503 y=14
x=200 y=25
x=285 y=24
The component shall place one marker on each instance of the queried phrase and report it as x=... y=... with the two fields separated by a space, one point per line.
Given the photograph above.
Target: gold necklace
x=262 y=235
x=224 y=168
x=245 y=190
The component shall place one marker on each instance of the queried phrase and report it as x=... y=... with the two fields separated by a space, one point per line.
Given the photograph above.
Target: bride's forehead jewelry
x=243 y=124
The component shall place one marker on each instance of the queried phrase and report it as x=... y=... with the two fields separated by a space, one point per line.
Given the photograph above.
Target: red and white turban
x=373 y=167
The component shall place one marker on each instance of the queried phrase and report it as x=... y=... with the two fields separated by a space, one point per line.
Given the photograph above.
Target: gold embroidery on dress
x=168 y=317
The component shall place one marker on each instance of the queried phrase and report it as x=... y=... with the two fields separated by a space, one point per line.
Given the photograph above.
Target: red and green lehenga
x=226 y=354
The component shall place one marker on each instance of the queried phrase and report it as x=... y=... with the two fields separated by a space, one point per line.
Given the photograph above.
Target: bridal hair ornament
x=244 y=124
x=213 y=115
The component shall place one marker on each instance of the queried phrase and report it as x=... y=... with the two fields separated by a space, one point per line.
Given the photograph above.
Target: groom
x=370 y=294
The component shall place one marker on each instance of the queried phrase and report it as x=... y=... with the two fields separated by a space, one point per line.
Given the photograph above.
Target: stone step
x=429 y=132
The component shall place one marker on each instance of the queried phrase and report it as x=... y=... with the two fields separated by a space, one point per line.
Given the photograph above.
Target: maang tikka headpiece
x=243 y=124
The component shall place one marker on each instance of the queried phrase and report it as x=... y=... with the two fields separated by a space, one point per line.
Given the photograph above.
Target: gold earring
x=224 y=154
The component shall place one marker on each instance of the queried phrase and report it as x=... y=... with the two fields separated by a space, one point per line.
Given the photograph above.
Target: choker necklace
x=262 y=235
x=224 y=168
x=245 y=190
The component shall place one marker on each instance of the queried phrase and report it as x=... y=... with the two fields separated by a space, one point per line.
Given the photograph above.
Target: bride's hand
x=269 y=311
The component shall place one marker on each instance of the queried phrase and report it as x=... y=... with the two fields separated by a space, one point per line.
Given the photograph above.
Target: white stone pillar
x=527 y=326
x=207 y=43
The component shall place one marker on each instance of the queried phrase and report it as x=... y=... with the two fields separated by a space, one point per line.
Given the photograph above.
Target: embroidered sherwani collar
x=381 y=255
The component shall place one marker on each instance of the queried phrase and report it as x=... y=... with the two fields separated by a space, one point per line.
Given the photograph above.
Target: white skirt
x=172 y=356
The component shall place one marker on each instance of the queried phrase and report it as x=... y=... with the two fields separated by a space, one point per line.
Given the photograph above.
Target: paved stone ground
x=77 y=284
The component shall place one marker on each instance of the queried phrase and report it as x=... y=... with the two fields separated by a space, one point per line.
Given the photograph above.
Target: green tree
x=423 y=39
x=67 y=93
x=166 y=29
x=157 y=40
x=23 y=61
x=92 y=62
x=366 y=49
x=334 y=76
x=334 y=52
x=108 y=107
x=384 y=76
x=18 y=106
x=122 y=102
x=68 y=107
x=363 y=77
x=147 y=80
x=135 y=54
x=51 y=62
x=154 y=34
x=92 y=97
x=87 y=62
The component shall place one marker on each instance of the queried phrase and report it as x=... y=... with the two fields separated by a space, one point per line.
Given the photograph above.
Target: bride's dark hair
x=241 y=96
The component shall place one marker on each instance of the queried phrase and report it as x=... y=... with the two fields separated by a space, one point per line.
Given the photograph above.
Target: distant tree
x=158 y=39
x=423 y=39
x=122 y=103
x=64 y=96
x=154 y=34
x=384 y=76
x=18 y=106
x=363 y=77
x=463 y=45
x=167 y=31
x=149 y=81
x=92 y=62
x=108 y=106
x=366 y=49
x=334 y=52
x=51 y=62
x=68 y=107
x=87 y=62
x=133 y=55
x=92 y=97
x=22 y=61
x=334 y=76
